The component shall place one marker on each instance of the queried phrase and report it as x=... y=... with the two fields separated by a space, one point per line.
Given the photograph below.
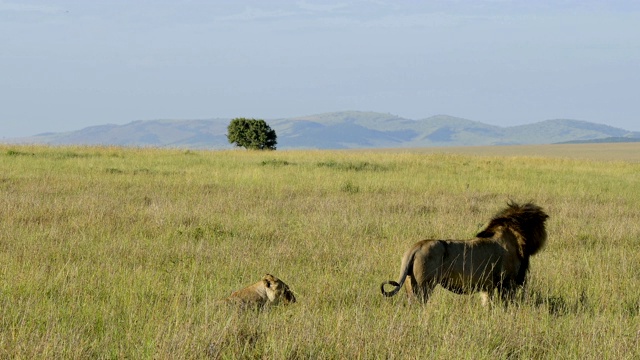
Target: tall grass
x=124 y=253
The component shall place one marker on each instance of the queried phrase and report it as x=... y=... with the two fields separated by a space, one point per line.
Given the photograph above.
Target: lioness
x=266 y=292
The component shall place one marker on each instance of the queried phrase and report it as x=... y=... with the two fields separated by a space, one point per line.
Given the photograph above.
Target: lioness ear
x=266 y=282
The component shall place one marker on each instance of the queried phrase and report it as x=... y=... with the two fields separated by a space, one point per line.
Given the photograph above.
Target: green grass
x=124 y=253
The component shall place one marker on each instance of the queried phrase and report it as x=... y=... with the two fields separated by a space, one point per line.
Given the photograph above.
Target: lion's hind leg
x=419 y=292
x=425 y=292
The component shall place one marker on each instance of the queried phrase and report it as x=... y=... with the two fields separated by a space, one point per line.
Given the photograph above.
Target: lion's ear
x=485 y=234
x=266 y=282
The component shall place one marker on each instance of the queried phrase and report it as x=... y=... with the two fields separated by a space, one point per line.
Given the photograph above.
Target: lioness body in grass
x=266 y=292
x=496 y=261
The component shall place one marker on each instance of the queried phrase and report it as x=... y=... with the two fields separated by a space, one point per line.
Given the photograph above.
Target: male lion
x=266 y=292
x=496 y=260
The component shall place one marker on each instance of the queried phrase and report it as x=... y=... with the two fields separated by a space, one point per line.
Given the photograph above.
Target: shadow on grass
x=558 y=305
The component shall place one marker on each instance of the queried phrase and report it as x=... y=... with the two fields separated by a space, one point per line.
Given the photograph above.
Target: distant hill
x=338 y=130
x=603 y=140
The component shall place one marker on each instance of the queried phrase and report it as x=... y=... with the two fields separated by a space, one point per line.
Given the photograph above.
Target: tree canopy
x=253 y=134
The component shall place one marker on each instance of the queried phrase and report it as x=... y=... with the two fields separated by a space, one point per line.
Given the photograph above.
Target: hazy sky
x=66 y=65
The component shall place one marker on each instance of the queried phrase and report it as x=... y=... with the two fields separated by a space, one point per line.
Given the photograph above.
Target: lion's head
x=526 y=221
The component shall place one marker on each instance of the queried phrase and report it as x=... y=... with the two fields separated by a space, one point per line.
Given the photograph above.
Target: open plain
x=110 y=252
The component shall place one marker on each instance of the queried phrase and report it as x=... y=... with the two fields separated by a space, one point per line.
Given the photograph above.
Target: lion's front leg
x=508 y=296
x=486 y=298
x=505 y=296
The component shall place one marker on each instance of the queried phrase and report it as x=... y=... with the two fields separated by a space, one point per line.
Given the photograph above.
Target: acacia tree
x=251 y=134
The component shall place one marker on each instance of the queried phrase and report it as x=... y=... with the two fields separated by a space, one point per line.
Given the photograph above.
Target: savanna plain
x=117 y=253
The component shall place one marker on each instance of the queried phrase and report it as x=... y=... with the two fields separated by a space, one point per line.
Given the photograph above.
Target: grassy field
x=124 y=253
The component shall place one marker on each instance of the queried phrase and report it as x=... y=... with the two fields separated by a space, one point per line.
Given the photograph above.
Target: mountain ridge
x=337 y=130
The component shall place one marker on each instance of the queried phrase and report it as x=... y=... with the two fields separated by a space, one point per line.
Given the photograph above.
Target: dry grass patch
x=124 y=253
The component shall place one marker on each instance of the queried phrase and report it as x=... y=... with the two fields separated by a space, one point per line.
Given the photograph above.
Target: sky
x=67 y=65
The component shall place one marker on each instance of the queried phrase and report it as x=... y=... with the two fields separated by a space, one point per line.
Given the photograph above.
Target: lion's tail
x=407 y=264
x=395 y=290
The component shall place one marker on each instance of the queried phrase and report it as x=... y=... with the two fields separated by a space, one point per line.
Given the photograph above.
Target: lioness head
x=277 y=290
